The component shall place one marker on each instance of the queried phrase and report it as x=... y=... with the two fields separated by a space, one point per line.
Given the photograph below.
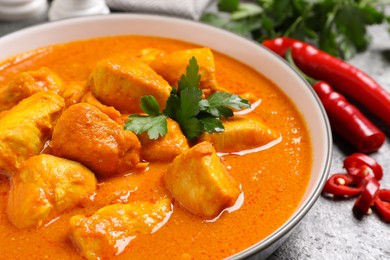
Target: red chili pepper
x=382 y=204
x=347 y=121
x=340 y=184
x=367 y=198
x=344 y=77
x=359 y=163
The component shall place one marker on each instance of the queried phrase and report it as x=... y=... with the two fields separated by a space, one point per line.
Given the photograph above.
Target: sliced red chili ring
x=367 y=198
x=340 y=184
x=357 y=164
x=382 y=204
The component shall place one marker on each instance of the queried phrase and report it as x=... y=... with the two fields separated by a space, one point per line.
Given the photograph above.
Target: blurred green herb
x=338 y=27
x=228 y=5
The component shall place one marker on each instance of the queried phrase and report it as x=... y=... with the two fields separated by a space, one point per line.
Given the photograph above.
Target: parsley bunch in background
x=338 y=27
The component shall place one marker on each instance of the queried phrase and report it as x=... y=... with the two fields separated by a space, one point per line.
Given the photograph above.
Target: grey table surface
x=329 y=230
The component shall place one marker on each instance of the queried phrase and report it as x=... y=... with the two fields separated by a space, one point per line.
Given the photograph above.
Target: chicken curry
x=75 y=183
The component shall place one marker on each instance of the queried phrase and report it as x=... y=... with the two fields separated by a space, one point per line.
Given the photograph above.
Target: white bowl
x=248 y=52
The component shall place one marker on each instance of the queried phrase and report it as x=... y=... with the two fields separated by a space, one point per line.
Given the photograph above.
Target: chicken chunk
x=27 y=83
x=166 y=148
x=148 y=55
x=46 y=186
x=85 y=134
x=25 y=128
x=110 y=229
x=122 y=85
x=173 y=65
x=110 y=111
x=200 y=183
x=240 y=134
x=74 y=92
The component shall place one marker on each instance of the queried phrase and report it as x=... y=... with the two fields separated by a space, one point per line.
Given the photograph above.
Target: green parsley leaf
x=221 y=111
x=212 y=124
x=183 y=106
x=218 y=99
x=228 y=5
x=173 y=103
x=150 y=106
x=189 y=103
x=219 y=103
x=186 y=106
x=155 y=126
x=372 y=15
x=192 y=128
x=215 y=19
x=335 y=26
x=246 y=10
x=191 y=79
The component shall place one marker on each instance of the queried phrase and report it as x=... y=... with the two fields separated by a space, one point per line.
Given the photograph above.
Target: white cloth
x=60 y=9
x=192 y=9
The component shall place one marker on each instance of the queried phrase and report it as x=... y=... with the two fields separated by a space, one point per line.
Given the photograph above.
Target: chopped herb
x=185 y=105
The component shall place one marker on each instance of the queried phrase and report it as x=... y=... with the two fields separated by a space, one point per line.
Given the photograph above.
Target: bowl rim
x=300 y=211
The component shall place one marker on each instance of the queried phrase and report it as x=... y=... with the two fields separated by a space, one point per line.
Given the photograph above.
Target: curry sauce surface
x=272 y=180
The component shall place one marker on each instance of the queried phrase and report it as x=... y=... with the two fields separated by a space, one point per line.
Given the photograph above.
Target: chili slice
x=357 y=164
x=382 y=204
x=340 y=184
x=367 y=198
x=344 y=77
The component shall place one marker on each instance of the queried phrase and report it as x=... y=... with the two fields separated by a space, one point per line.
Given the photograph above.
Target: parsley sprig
x=185 y=105
x=338 y=27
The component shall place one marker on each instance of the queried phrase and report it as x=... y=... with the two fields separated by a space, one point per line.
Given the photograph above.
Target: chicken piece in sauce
x=122 y=84
x=25 y=128
x=85 y=134
x=28 y=83
x=108 y=110
x=173 y=65
x=165 y=148
x=241 y=133
x=45 y=186
x=110 y=229
x=74 y=92
x=148 y=55
x=200 y=183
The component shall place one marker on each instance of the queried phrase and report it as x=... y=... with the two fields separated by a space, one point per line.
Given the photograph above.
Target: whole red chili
x=382 y=204
x=367 y=198
x=342 y=76
x=343 y=185
x=347 y=121
x=359 y=164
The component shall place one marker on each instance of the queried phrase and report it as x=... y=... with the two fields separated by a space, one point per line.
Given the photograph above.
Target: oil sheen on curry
x=75 y=184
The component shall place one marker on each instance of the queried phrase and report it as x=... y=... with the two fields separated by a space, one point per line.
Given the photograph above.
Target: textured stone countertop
x=329 y=230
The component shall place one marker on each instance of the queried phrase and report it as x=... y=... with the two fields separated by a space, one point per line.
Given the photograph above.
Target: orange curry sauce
x=272 y=180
